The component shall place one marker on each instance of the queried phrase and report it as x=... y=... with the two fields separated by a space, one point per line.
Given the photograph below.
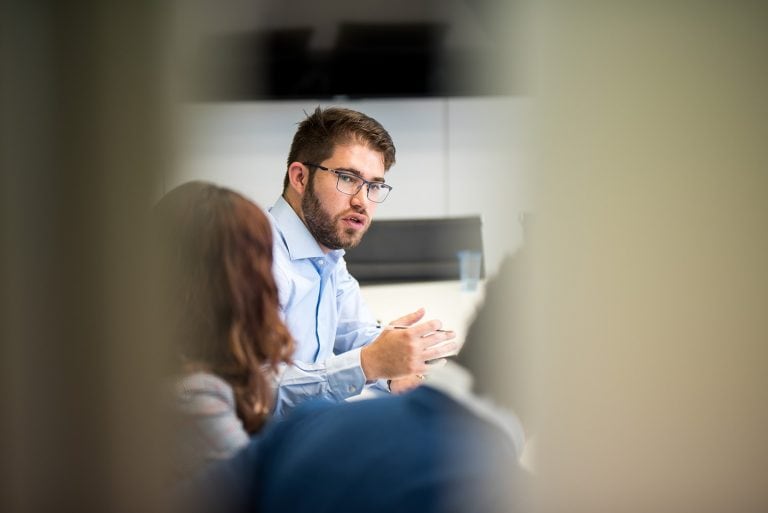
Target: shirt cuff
x=345 y=374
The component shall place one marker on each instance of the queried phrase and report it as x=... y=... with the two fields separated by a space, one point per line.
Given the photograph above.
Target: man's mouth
x=355 y=220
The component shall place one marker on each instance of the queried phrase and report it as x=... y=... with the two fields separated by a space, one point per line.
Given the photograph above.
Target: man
x=331 y=191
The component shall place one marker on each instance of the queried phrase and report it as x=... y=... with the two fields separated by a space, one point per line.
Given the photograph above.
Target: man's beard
x=323 y=227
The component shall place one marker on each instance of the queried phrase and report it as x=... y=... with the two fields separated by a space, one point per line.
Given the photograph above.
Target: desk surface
x=442 y=300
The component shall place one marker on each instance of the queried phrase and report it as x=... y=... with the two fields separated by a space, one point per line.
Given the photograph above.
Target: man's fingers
x=438 y=340
x=401 y=385
x=441 y=350
x=428 y=328
x=408 y=319
x=436 y=363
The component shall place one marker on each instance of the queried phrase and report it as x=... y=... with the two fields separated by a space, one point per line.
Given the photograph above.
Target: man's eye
x=375 y=187
x=347 y=178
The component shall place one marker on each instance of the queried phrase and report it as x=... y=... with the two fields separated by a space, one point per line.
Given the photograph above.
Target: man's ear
x=298 y=177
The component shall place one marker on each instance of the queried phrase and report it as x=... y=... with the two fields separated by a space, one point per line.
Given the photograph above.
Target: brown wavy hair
x=223 y=302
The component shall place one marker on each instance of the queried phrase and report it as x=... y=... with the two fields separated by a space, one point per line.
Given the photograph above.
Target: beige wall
x=84 y=137
x=649 y=256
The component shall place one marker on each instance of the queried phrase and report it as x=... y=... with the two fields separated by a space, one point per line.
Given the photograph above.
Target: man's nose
x=360 y=197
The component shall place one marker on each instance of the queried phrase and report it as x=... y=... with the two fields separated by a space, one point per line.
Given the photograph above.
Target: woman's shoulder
x=202 y=392
x=209 y=428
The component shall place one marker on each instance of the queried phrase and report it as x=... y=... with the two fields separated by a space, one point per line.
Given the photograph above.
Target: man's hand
x=402 y=385
x=402 y=352
x=409 y=319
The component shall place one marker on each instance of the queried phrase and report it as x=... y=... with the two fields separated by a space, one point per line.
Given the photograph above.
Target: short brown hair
x=223 y=303
x=320 y=133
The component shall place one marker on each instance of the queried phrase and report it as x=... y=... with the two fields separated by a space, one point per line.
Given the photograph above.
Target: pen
x=396 y=327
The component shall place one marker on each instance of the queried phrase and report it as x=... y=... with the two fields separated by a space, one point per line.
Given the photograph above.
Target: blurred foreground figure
x=438 y=448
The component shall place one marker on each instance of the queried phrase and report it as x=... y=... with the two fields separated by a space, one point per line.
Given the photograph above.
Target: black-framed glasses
x=350 y=184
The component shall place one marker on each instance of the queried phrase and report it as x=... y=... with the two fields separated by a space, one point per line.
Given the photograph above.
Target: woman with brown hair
x=227 y=336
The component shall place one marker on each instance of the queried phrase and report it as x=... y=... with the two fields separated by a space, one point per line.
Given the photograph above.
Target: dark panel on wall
x=414 y=249
x=366 y=60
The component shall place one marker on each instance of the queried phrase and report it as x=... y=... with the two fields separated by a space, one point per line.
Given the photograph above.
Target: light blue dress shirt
x=322 y=306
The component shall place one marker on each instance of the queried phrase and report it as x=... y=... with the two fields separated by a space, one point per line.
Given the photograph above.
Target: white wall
x=455 y=156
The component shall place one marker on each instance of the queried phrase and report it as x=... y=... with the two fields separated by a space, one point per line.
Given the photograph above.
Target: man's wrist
x=365 y=364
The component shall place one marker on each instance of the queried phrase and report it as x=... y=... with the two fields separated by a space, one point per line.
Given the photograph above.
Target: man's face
x=337 y=220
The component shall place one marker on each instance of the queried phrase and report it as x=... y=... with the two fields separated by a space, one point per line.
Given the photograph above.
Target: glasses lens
x=351 y=184
x=378 y=192
x=348 y=184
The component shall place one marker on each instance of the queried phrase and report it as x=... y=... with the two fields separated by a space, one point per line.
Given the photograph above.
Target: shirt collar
x=300 y=242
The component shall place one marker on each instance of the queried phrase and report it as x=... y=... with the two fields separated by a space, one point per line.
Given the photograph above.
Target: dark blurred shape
x=387 y=59
x=287 y=62
x=495 y=347
x=367 y=60
x=270 y=64
x=407 y=250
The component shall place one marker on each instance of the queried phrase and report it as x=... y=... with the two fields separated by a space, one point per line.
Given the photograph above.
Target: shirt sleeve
x=213 y=430
x=337 y=378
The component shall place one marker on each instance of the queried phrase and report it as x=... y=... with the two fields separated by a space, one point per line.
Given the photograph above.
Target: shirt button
x=321 y=262
x=352 y=388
